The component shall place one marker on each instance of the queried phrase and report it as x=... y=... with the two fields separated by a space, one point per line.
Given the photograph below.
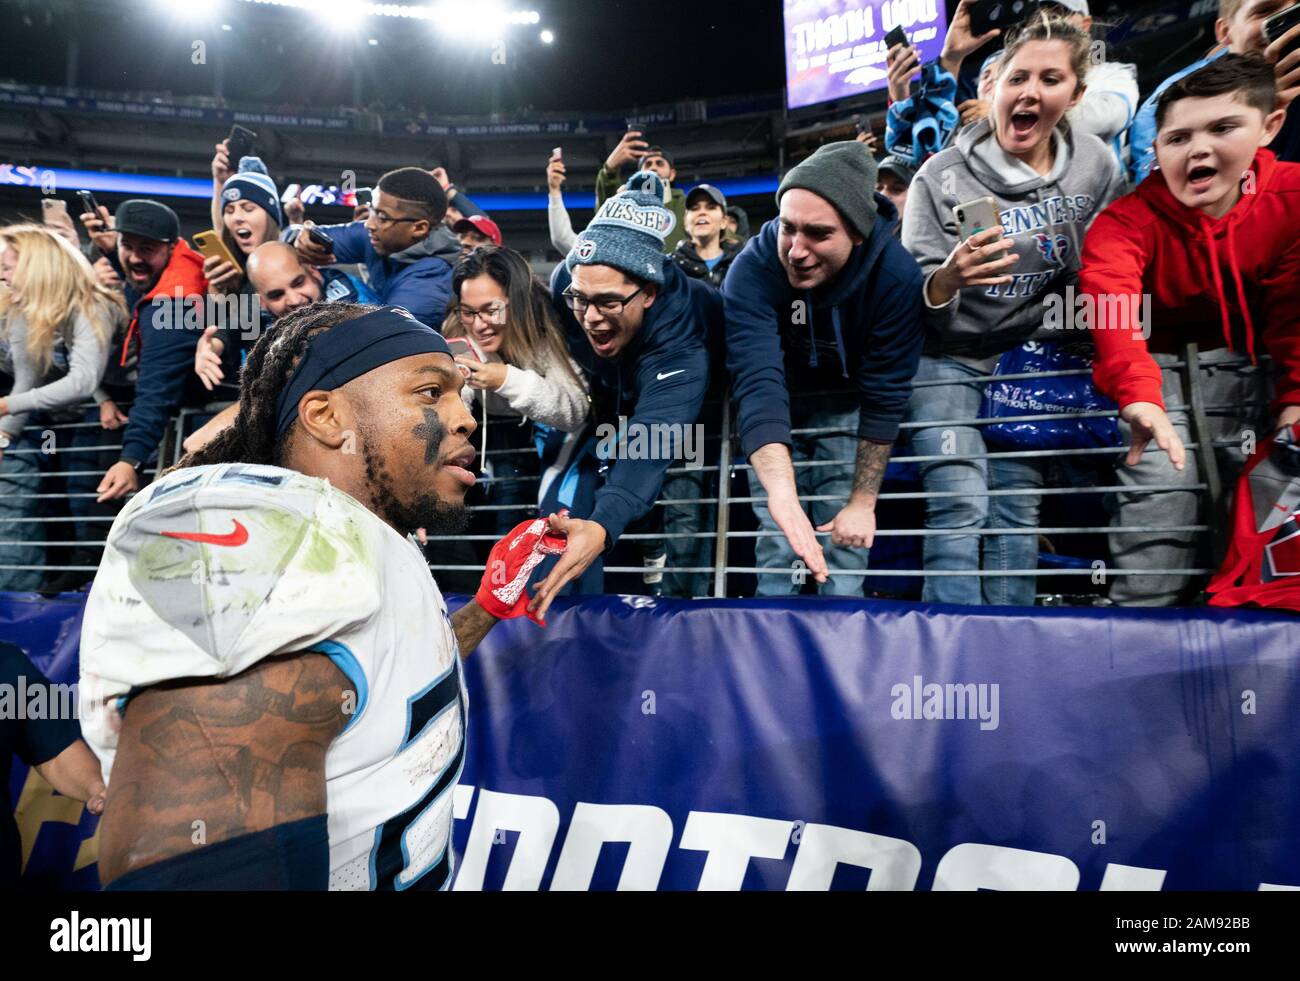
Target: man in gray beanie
x=823 y=297
x=638 y=327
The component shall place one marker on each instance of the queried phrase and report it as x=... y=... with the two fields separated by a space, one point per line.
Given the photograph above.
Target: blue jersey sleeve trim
x=346 y=662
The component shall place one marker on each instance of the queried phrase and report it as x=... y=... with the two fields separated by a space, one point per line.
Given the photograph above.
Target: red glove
x=510 y=563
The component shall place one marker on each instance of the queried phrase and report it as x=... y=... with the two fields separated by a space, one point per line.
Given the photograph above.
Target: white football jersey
x=211 y=569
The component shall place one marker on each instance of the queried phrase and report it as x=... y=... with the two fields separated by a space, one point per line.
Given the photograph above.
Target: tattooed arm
x=471 y=624
x=239 y=755
x=869 y=471
x=855 y=524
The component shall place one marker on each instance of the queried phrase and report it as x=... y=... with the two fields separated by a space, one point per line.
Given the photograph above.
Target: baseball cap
x=714 y=195
x=148 y=219
x=481 y=224
x=658 y=151
x=900 y=166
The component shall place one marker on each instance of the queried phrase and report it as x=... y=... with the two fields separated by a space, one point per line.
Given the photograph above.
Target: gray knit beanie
x=845 y=175
x=628 y=231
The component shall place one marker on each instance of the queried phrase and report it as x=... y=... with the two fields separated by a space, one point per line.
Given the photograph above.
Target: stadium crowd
x=880 y=301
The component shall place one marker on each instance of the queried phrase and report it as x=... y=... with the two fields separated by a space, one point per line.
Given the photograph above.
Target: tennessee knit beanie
x=252 y=183
x=628 y=231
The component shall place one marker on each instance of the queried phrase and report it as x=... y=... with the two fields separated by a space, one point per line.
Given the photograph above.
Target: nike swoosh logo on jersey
x=662 y=375
x=234 y=538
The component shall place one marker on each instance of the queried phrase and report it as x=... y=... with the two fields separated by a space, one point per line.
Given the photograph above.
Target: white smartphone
x=557 y=153
x=977 y=216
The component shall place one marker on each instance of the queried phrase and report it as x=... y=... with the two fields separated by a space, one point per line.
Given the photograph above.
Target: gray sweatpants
x=1235 y=394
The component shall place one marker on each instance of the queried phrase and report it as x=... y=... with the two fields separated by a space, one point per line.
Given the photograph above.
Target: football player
x=271 y=676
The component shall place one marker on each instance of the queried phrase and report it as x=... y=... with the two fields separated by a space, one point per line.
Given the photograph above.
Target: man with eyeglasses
x=637 y=326
x=407 y=252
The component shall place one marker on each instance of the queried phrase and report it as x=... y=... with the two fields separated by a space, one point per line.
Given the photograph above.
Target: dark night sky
x=606 y=55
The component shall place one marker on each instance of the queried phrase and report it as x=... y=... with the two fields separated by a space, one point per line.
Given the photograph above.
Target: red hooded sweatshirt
x=1229 y=282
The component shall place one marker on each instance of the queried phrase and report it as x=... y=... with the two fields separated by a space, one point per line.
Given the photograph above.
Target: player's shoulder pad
x=216 y=550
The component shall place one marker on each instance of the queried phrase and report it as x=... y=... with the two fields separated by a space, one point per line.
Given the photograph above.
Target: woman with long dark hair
x=517 y=367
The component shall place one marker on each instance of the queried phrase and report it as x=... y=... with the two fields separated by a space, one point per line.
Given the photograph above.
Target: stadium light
x=458 y=15
x=195 y=12
x=547 y=36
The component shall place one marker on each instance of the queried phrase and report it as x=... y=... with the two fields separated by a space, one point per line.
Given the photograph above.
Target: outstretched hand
x=586 y=541
x=1150 y=422
x=511 y=562
x=853 y=526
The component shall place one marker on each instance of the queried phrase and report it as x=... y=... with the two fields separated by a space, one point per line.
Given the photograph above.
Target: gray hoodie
x=1046 y=215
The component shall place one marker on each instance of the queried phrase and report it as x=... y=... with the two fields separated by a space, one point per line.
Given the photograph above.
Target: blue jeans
x=836 y=480
x=970 y=509
x=19 y=480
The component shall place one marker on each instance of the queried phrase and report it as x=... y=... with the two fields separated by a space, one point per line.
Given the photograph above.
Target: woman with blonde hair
x=56 y=322
x=986 y=293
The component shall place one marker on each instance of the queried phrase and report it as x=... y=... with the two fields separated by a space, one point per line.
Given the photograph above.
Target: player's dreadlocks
x=252 y=437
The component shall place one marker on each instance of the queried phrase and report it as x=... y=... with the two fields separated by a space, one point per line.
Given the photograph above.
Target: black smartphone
x=364 y=196
x=239 y=144
x=1280 y=23
x=897 y=36
x=320 y=238
x=89 y=203
x=985 y=15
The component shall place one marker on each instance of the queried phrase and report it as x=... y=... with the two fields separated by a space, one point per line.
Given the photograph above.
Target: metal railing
x=725 y=514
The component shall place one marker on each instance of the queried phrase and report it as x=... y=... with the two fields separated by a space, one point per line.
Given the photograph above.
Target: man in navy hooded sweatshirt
x=638 y=327
x=823 y=298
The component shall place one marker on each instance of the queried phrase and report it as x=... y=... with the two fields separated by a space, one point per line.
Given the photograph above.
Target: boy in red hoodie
x=1213 y=239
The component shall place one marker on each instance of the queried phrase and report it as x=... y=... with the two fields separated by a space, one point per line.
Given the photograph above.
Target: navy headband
x=352 y=348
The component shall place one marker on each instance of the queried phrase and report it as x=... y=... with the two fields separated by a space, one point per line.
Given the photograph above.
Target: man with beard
x=284 y=283
x=156 y=266
x=270 y=673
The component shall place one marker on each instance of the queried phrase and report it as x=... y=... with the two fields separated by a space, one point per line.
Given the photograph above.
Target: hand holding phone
x=901 y=64
x=631 y=148
x=217 y=257
x=239 y=144
x=99 y=226
x=463 y=353
x=311 y=248
x=1278 y=25
x=320 y=238
x=88 y=203
x=981 y=257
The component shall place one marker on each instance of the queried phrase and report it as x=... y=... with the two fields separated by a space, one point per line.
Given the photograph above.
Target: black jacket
x=689 y=261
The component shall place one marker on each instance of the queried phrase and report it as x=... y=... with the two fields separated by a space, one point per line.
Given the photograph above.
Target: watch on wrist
x=136 y=465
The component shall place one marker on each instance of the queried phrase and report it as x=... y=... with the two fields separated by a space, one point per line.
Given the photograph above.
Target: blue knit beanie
x=628 y=231
x=252 y=183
